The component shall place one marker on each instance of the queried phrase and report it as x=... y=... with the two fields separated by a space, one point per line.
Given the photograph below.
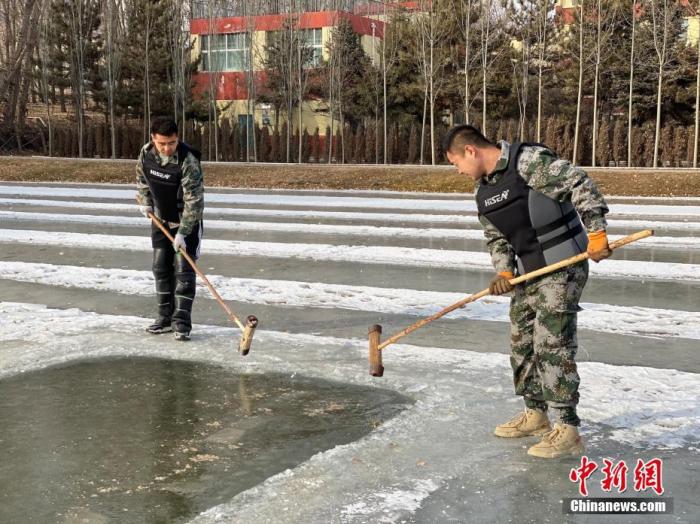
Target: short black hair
x=462 y=135
x=163 y=125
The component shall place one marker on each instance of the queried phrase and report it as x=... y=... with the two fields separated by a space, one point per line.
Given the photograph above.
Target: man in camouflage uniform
x=170 y=185
x=547 y=210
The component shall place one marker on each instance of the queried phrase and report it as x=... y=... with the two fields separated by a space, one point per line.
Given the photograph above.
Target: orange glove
x=598 y=248
x=499 y=285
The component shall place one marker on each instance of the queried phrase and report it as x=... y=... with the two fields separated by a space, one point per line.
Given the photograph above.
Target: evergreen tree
x=145 y=88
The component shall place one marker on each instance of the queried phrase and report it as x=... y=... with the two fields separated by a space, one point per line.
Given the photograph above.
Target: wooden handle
x=213 y=291
x=527 y=276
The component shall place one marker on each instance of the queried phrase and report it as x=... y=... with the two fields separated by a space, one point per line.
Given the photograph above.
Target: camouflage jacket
x=559 y=180
x=192 y=187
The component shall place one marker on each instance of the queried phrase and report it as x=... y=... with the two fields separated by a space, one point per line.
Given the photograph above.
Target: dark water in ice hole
x=151 y=440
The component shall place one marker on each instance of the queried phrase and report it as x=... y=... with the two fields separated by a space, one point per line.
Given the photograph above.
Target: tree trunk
x=697 y=102
x=543 y=42
x=384 y=86
x=432 y=89
x=595 y=87
x=660 y=47
x=422 y=132
x=485 y=13
x=658 y=116
x=580 y=87
x=631 y=93
x=467 y=53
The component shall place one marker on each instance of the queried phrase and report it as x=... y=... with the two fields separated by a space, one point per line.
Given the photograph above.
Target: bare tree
x=697 y=101
x=523 y=15
x=424 y=63
x=44 y=72
x=148 y=23
x=606 y=15
x=390 y=56
x=290 y=45
x=214 y=67
x=340 y=70
x=332 y=68
x=434 y=57
x=112 y=17
x=20 y=24
x=580 y=80
x=631 y=87
x=280 y=63
x=464 y=9
x=597 y=55
x=662 y=17
x=486 y=37
x=81 y=15
x=249 y=11
x=304 y=57
x=542 y=31
x=178 y=42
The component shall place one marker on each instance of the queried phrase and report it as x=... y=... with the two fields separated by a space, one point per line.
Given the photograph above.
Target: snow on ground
x=402 y=256
x=409 y=464
x=313 y=214
x=327 y=229
x=603 y=318
x=412 y=204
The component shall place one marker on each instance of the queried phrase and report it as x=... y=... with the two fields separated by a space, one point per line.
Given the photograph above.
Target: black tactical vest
x=165 y=182
x=541 y=230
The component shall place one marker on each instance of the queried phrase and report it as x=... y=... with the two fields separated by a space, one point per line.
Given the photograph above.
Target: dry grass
x=681 y=182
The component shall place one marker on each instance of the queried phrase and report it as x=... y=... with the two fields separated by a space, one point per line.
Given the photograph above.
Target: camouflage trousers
x=543 y=341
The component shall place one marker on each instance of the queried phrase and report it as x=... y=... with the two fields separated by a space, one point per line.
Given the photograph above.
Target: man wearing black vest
x=536 y=209
x=170 y=185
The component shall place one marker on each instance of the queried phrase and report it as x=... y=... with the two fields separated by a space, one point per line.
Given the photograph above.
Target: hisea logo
x=496 y=198
x=164 y=176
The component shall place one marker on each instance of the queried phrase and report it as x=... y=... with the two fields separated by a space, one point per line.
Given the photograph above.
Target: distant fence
x=365 y=143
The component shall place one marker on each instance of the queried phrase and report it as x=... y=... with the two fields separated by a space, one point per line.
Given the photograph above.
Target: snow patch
x=604 y=318
x=685 y=243
x=420 y=204
x=389 y=255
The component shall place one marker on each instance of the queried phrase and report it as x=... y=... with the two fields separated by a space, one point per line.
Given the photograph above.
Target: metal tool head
x=376 y=369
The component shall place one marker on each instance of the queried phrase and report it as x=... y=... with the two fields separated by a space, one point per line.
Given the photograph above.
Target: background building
x=232 y=47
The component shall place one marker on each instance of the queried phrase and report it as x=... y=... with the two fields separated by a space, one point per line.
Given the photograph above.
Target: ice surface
x=402 y=256
x=383 y=477
x=604 y=318
x=438 y=461
x=327 y=229
x=369 y=202
x=349 y=216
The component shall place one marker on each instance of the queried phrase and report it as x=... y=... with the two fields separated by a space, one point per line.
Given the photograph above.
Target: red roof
x=360 y=24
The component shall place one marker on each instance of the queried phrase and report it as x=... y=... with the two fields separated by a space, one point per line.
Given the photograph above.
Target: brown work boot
x=529 y=422
x=563 y=440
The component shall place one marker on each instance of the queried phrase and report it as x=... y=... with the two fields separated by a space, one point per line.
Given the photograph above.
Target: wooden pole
x=251 y=322
x=471 y=298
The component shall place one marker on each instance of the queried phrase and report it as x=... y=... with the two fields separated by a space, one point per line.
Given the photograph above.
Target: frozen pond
x=318 y=268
